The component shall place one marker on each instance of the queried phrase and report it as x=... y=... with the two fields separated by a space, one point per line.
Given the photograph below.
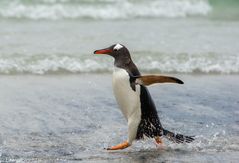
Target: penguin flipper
x=152 y=79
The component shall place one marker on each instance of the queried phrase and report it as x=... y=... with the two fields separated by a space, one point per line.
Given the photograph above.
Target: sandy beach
x=74 y=117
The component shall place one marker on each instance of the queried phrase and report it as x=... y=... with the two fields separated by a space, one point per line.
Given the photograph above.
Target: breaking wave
x=164 y=63
x=102 y=9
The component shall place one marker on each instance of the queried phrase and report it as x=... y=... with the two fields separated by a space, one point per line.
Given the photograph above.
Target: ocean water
x=56 y=99
x=59 y=36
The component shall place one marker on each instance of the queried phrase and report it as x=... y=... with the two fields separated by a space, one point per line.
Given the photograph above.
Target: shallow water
x=74 y=117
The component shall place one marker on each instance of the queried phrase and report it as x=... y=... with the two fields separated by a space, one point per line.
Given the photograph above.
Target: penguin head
x=119 y=52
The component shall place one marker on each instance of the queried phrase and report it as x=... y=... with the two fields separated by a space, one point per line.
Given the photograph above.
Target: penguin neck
x=129 y=66
x=122 y=63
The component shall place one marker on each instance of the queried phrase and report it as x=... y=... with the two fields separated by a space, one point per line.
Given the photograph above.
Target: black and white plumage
x=134 y=99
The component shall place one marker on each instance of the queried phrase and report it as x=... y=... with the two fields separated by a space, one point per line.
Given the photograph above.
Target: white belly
x=128 y=99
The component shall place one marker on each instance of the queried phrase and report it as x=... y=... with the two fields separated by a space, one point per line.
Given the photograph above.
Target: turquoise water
x=226 y=10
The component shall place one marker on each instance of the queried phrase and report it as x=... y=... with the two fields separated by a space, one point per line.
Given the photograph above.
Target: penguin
x=135 y=101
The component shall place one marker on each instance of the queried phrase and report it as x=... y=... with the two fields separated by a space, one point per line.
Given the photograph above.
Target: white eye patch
x=117 y=47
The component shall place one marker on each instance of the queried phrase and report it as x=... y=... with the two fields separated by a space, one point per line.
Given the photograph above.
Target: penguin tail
x=177 y=138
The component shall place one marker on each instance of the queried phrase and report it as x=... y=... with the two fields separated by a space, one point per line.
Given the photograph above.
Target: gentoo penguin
x=135 y=101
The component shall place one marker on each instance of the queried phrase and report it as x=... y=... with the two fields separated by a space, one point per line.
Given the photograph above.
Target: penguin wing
x=153 y=79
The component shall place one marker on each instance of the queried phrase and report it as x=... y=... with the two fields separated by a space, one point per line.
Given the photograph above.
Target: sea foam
x=103 y=9
x=163 y=63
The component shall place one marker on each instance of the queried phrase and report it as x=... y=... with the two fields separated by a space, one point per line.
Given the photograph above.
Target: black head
x=119 y=52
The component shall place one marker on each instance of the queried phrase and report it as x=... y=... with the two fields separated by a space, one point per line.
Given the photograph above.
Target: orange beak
x=103 y=51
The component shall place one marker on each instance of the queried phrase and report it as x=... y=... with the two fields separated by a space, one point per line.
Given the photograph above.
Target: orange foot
x=120 y=146
x=159 y=143
x=158 y=140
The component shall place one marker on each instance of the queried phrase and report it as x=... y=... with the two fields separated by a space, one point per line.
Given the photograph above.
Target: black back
x=150 y=125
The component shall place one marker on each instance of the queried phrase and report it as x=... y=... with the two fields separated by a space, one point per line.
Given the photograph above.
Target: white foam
x=192 y=64
x=50 y=65
x=166 y=63
x=105 y=9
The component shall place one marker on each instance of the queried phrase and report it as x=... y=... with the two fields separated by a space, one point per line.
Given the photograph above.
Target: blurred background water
x=58 y=36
